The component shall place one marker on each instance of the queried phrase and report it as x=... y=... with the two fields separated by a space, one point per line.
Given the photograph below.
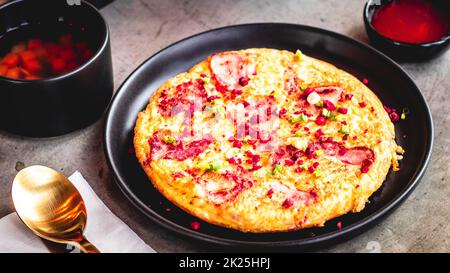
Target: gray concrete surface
x=139 y=28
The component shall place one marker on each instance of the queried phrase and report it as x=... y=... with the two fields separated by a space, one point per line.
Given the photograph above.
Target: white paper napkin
x=107 y=232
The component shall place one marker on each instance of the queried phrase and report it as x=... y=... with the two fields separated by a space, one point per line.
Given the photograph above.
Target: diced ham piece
x=222 y=188
x=231 y=70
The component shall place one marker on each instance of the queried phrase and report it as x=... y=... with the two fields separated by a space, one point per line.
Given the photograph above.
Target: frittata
x=265 y=140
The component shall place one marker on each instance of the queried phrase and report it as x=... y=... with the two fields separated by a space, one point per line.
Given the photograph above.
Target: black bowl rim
x=368 y=23
x=76 y=70
x=308 y=242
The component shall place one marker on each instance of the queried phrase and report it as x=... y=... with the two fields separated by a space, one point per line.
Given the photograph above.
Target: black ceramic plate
x=392 y=85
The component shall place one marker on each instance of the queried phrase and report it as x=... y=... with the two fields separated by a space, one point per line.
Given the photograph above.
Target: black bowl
x=401 y=51
x=58 y=105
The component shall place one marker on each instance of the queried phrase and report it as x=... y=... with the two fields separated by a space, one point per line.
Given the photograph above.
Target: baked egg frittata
x=265 y=140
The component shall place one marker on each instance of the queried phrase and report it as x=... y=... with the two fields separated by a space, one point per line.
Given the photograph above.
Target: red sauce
x=411 y=21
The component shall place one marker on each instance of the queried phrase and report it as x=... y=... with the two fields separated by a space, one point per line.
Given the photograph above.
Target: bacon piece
x=357 y=155
x=222 y=188
x=293 y=196
x=332 y=94
x=354 y=156
x=231 y=70
x=179 y=150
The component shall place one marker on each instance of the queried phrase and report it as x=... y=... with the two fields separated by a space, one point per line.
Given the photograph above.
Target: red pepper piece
x=68 y=54
x=33 y=66
x=34 y=44
x=3 y=69
x=52 y=49
x=27 y=56
x=13 y=73
x=58 y=65
x=11 y=60
x=32 y=77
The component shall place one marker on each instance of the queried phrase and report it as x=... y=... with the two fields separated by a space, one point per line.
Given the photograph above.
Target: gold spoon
x=50 y=205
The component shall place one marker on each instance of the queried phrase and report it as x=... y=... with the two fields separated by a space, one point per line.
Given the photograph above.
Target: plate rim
x=346 y=231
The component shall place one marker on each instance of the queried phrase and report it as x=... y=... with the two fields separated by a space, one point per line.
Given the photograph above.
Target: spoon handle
x=87 y=247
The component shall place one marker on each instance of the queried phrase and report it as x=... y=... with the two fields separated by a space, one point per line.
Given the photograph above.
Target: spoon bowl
x=50 y=205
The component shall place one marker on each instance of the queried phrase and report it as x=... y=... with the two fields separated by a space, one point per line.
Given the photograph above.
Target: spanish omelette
x=263 y=140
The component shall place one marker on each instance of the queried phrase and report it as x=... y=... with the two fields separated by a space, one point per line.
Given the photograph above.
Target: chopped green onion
x=214 y=166
x=169 y=139
x=319 y=104
x=318 y=173
x=299 y=133
x=332 y=116
x=303 y=86
x=298 y=54
x=277 y=169
x=344 y=130
x=326 y=113
x=206 y=80
x=301 y=117
x=304 y=167
x=405 y=111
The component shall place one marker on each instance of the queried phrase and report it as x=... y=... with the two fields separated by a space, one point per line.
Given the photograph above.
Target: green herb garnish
x=344 y=130
x=277 y=169
x=214 y=166
x=169 y=139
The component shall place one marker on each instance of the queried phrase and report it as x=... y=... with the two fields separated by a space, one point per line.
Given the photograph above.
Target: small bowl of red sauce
x=409 y=30
x=55 y=67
